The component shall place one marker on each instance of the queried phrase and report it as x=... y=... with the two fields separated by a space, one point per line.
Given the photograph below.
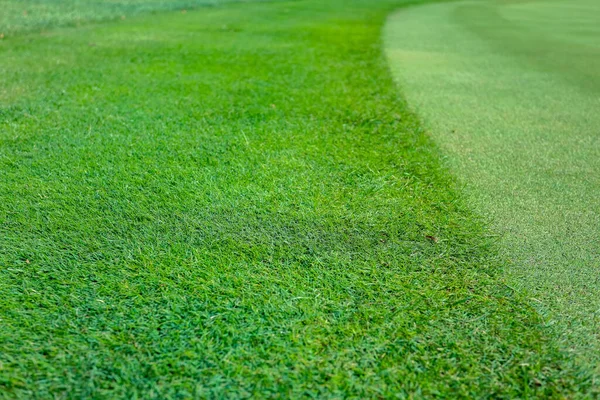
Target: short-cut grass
x=233 y=202
x=510 y=89
x=18 y=16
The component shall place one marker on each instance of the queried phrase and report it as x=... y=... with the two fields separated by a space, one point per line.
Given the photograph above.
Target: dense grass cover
x=17 y=16
x=511 y=91
x=233 y=202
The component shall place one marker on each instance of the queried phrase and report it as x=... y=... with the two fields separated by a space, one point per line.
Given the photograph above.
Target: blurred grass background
x=33 y=15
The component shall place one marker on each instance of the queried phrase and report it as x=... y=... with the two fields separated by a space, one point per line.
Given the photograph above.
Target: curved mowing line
x=511 y=92
x=233 y=203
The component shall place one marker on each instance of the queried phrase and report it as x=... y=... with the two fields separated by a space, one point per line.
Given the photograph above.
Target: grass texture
x=510 y=90
x=233 y=202
x=18 y=16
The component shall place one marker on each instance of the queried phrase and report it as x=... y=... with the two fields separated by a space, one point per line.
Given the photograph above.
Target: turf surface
x=233 y=202
x=510 y=89
x=18 y=16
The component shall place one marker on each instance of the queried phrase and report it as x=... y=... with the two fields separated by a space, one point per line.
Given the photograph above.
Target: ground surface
x=511 y=90
x=19 y=16
x=233 y=202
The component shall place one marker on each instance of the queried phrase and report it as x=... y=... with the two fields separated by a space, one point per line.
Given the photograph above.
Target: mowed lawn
x=233 y=202
x=511 y=91
x=20 y=16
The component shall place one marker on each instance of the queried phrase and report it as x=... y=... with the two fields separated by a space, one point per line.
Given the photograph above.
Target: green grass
x=510 y=91
x=233 y=202
x=19 y=16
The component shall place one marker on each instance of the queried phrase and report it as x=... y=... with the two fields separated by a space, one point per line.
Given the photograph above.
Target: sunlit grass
x=233 y=202
x=17 y=16
x=511 y=92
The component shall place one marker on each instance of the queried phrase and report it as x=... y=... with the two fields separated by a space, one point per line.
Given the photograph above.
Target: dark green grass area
x=234 y=203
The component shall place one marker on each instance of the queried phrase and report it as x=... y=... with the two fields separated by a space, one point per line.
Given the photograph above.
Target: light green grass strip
x=511 y=90
x=233 y=203
x=17 y=16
